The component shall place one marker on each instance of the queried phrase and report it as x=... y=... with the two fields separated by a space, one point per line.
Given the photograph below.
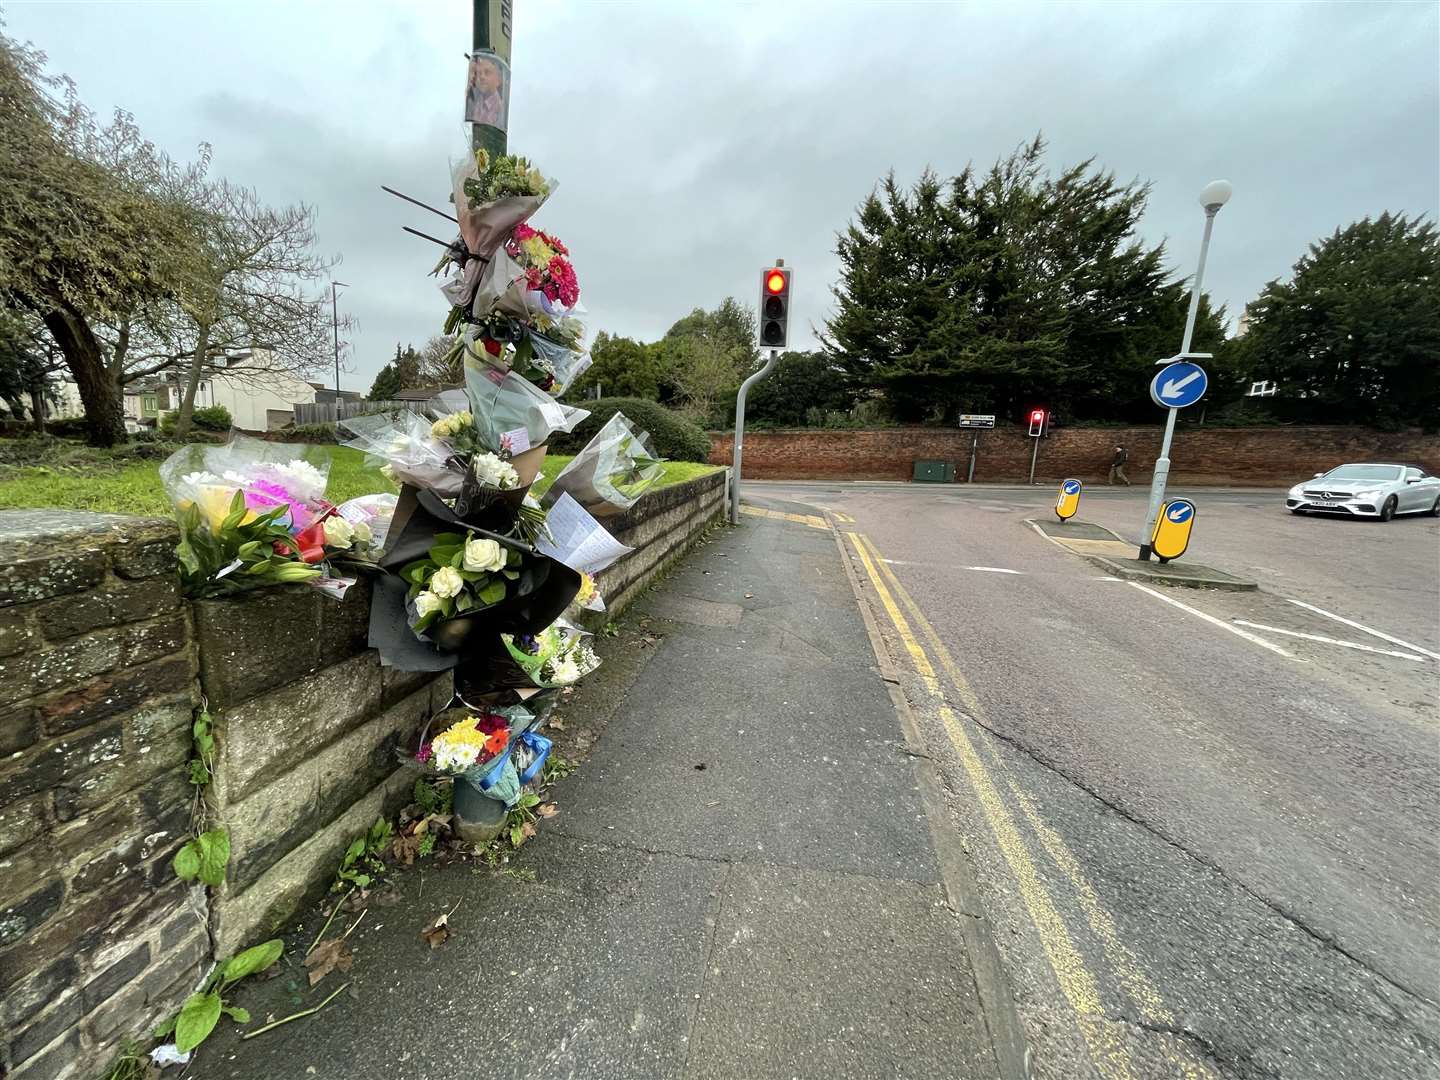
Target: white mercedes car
x=1367 y=491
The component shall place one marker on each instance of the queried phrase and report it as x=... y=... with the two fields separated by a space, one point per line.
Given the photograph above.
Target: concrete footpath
x=740 y=881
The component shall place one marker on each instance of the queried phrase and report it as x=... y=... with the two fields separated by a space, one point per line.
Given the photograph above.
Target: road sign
x=1172 y=529
x=1178 y=385
x=976 y=420
x=1068 y=501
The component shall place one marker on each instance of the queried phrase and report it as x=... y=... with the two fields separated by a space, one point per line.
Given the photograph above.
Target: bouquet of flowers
x=613 y=470
x=546 y=264
x=253 y=513
x=557 y=656
x=406 y=449
x=461 y=574
x=493 y=195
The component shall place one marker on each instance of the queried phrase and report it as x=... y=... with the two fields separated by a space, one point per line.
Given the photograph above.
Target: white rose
x=338 y=532
x=483 y=555
x=447 y=582
x=362 y=533
x=492 y=472
x=441 y=428
x=425 y=603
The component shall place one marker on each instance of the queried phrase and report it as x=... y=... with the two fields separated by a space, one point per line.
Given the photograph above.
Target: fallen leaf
x=438 y=932
x=330 y=955
x=557 y=725
x=548 y=810
x=406 y=848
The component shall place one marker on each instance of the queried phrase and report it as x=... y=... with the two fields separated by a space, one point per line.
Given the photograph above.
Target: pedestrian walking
x=1117 y=466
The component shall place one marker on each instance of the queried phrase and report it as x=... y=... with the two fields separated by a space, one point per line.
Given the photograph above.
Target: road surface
x=1204 y=831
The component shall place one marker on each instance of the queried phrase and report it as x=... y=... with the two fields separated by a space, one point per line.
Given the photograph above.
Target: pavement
x=751 y=875
x=1203 y=823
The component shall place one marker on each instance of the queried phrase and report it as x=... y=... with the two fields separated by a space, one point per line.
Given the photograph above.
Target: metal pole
x=1162 y=463
x=1034 y=453
x=740 y=433
x=335 y=324
x=974 y=446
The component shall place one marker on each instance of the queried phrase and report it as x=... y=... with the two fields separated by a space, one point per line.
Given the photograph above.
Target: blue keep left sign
x=1179 y=512
x=1072 y=487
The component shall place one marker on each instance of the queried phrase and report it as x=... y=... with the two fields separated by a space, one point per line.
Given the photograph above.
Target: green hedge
x=209 y=418
x=671 y=435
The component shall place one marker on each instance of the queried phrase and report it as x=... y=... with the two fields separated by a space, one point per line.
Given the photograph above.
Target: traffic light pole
x=740 y=433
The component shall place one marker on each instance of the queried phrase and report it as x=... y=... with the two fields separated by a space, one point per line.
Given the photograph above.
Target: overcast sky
x=695 y=142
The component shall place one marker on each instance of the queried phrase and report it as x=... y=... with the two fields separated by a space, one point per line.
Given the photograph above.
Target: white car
x=1367 y=491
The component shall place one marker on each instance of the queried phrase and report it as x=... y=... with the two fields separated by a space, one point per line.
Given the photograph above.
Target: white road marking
x=1332 y=641
x=1254 y=639
x=993 y=569
x=1364 y=629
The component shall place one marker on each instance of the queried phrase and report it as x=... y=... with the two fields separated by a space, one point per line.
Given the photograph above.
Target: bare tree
x=251 y=291
x=441 y=364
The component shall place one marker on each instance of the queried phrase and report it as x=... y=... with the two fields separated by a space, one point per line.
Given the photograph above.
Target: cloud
x=695 y=143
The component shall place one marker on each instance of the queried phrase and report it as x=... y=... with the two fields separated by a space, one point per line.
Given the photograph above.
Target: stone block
x=60 y=665
x=363 y=759
x=25 y=914
x=19 y=728
x=442 y=690
x=116 y=977
x=53 y=1062
x=241 y=918
x=124 y=1010
x=50 y=765
x=21 y=822
x=101 y=608
x=27 y=580
x=147 y=558
x=115 y=692
x=97 y=786
x=270 y=735
x=87 y=930
x=345 y=627
x=44 y=1029
x=254 y=643
x=15 y=635
x=154 y=639
x=270 y=823
x=182 y=926
x=28 y=996
x=176 y=963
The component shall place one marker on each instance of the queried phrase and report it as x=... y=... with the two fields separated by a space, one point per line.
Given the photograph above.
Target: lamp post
x=1214 y=195
x=335 y=323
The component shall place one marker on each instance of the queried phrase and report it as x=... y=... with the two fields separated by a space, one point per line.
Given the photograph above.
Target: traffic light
x=774 y=307
x=1037 y=423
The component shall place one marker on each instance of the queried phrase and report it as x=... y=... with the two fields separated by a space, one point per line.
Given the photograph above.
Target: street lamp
x=335 y=323
x=1212 y=197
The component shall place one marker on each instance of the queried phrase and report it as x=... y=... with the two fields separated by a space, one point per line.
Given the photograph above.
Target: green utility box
x=935 y=472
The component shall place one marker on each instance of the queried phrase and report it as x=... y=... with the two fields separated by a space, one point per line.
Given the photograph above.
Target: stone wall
x=307 y=723
x=97 y=937
x=1202 y=454
x=101 y=666
x=660 y=527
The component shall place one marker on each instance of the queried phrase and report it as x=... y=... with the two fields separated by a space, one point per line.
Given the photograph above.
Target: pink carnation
x=424 y=754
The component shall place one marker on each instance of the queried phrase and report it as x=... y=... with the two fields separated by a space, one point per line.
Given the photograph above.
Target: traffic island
x=1116 y=556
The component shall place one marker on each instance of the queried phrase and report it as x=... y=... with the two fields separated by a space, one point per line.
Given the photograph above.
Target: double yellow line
x=1106 y=1048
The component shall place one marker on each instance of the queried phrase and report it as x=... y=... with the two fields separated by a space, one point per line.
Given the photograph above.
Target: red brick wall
x=1201 y=454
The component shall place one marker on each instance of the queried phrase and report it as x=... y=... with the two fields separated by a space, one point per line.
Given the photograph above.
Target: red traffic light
x=1038 y=416
x=775 y=282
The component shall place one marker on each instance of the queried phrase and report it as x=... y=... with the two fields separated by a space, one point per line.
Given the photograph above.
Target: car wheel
x=1435 y=510
x=1388 y=510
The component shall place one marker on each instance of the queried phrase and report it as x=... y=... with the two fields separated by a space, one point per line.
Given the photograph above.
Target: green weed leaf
x=197 y=1019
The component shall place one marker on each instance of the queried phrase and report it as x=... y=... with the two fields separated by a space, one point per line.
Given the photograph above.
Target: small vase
x=478 y=819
